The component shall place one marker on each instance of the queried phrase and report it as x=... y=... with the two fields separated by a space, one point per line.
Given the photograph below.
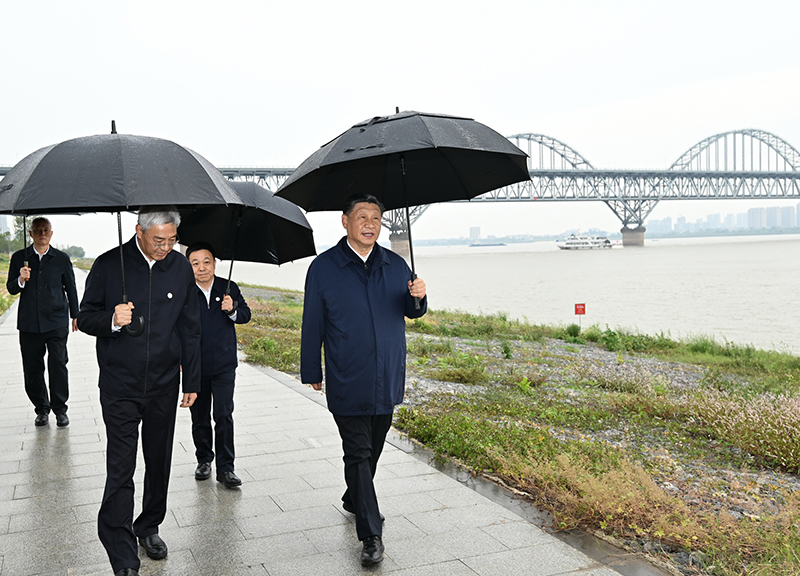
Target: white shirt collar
x=43 y=253
x=146 y=259
x=363 y=258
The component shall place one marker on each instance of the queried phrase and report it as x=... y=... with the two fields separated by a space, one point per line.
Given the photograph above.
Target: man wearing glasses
x=44 y=279
x=140 y=374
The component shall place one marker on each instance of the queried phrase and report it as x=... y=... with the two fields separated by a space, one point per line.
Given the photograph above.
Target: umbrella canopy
x=446 y=158
x=263 y=229
x=111 y=173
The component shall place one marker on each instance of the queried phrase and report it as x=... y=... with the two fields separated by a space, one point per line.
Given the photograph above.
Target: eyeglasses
x=168 y=242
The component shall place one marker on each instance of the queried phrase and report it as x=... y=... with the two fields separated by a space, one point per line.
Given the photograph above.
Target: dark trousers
x=216 y=390
x=362 y=442
x=115 y=524
x=33 y=346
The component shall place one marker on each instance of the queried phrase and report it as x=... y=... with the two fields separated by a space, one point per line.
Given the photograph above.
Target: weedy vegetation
x=689 y=449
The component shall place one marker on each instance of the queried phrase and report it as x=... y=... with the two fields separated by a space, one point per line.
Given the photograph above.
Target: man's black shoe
x=230 y=479
x=41 y=419
x=203 y=471
x=373 y=551
x=349 y=508
x=127 y=572
x=155 y=547
x=62 y=420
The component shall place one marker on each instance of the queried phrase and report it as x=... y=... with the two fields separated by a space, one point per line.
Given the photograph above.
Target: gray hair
x=39 y=220
x=158 y=216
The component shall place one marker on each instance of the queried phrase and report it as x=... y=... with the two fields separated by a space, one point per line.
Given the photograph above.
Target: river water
x=737 y=289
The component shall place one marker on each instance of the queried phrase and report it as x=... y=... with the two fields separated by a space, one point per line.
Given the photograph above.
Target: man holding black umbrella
x=48 y=298
x=357 y=296
x=140 y=375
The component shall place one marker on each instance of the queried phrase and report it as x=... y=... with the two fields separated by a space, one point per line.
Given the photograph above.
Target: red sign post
x=580 y=310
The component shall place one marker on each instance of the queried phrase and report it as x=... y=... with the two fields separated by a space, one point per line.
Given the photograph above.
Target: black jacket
x=149 y=364
x=49 y=298
x=219 y=334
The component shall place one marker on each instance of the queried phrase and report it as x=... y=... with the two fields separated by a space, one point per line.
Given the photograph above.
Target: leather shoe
x=230 y=479
x=127 y=572
x=155 y=547
x=373 y=551
x=41 y=419
x=62 y=420
x=349 y=508
x=203 y=471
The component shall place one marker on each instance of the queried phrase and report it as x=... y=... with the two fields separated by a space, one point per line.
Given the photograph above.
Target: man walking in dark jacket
x=44 y=279
x=140 y=375
x=357 y=296
x=218 y=316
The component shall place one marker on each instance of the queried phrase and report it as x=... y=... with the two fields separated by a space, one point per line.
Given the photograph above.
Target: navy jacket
x=166 y=295
x=219 y=334
x=360 y=318
x=49 y=298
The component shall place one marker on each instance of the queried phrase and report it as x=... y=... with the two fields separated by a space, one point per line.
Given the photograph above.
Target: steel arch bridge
x=741 y=164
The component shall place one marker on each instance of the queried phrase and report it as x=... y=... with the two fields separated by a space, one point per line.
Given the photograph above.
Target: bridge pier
x=633 y=236
x=399 y=242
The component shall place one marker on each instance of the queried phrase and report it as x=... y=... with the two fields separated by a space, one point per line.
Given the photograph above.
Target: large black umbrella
x=112 y=173
x=264 y=228
x=407 y=159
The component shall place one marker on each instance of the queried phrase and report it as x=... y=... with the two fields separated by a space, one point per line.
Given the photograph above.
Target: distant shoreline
x=522 y=239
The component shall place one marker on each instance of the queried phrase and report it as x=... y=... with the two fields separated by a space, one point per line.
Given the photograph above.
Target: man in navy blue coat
x=357 y=296
x=44 y=279
x=218 y=317
x=140 y=376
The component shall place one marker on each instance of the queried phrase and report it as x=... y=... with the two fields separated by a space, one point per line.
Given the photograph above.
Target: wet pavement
x=286 y=519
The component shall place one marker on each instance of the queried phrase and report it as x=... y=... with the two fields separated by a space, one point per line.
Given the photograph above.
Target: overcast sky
x=261 y=83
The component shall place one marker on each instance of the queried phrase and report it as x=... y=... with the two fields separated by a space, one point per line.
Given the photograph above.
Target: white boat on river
x=575 y=242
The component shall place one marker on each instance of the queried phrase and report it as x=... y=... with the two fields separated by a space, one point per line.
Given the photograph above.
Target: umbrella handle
x=136 y=331
x=416 y=300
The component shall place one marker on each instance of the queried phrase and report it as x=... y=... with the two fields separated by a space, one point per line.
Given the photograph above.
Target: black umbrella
x=407 y=159
x=264 y=228
x=112 y=173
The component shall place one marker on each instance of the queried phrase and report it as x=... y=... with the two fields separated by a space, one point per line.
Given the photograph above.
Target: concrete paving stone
x=311 y=454
x=406 y=469
x=452 y=568
x=435 y=521
x=293 y=521
x=291 y=469
x=219 y=511
x=309 y=498
x=28 y=522
x=416 y=551
x=450 y=498
x=4 y=522
x=547 y=559
x=517 y=534
x=325 y=480
x=330 y=538
x=398 y=528
x=408 y=504
x=466 y=542
x=256 y=551
x=270 y=488
x=415 y=484
x=344 y=562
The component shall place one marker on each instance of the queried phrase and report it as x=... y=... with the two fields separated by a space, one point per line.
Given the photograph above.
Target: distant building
x=475 y=233
x=757 y=218
x=774 y=217
x=5 y=224
x=730 y=222
x=741 y=220
x=680 y=225
x=713 y=222
x=788 y=219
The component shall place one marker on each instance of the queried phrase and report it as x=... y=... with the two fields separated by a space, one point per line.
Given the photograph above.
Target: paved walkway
x=286 y=519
